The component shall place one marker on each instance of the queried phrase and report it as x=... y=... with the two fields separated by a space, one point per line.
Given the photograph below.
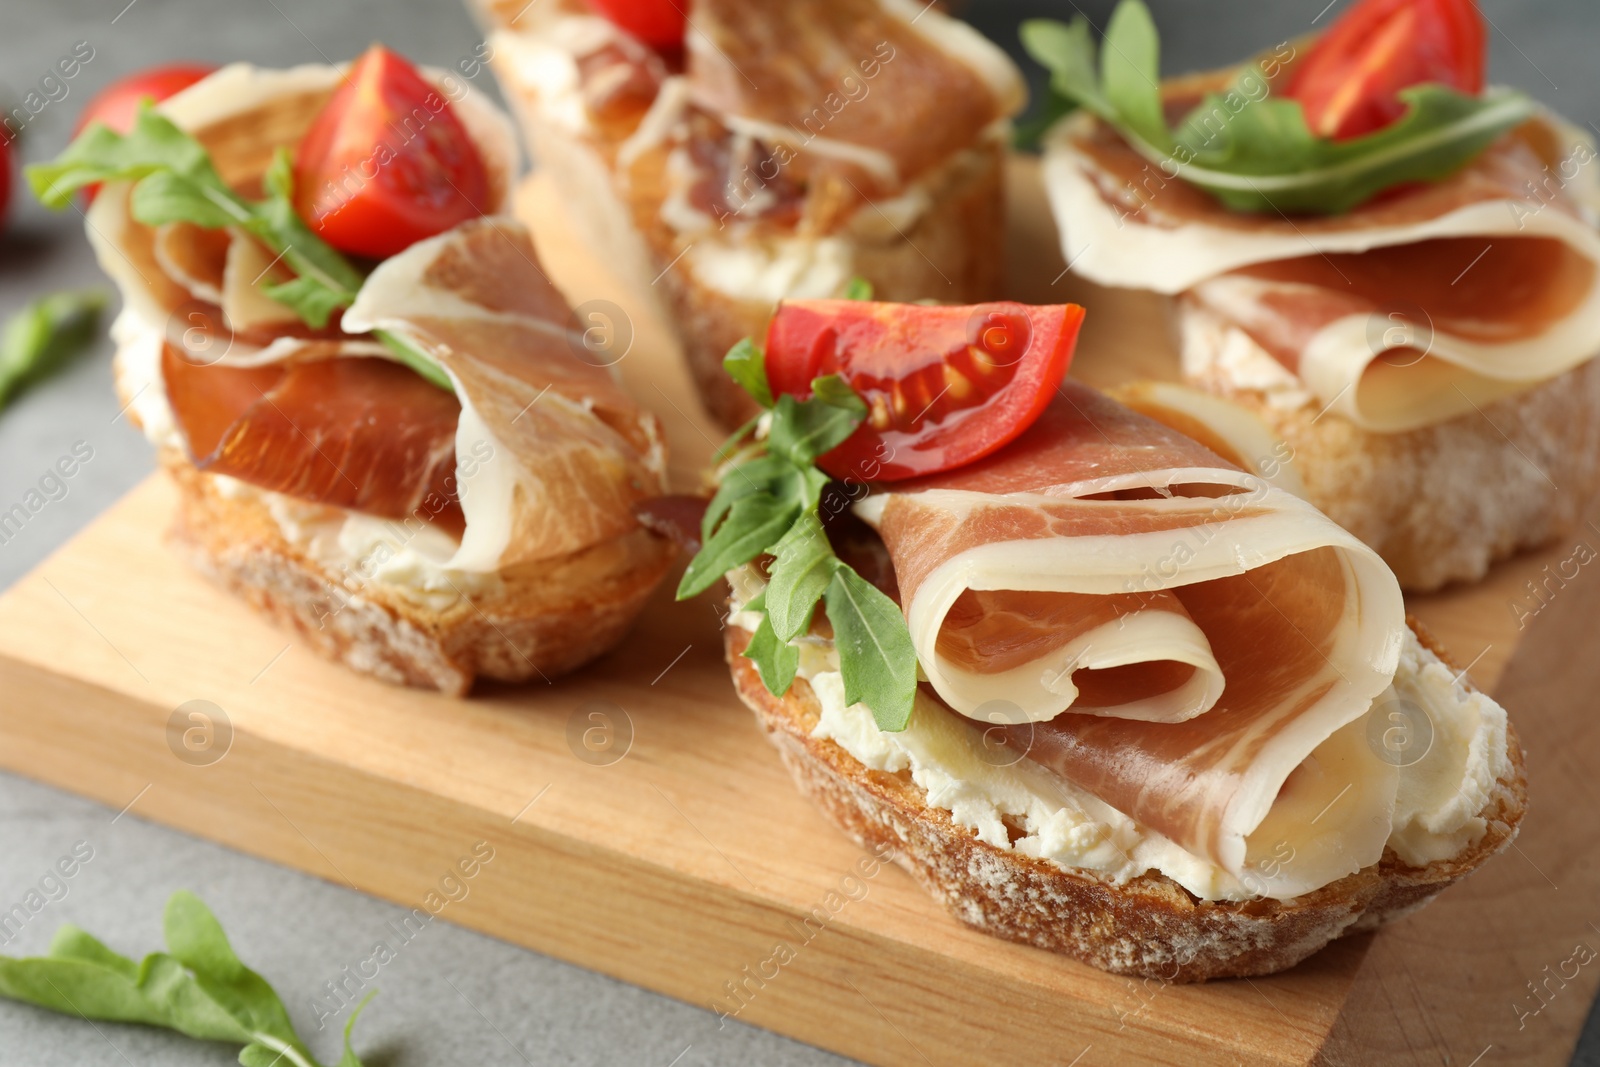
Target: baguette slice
x=1149 y=926
x=537 y=620
x=1443 y=502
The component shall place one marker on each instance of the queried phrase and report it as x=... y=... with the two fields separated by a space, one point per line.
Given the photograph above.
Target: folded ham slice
x=1191 y=644
x=181 y=278
x=358 y=432
x=562 y=452
x=772 y=71
x=1401 y=313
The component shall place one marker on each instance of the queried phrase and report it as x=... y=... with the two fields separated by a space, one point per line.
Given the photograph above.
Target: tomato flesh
x=1348 y=84
x=387 y=163
x=117 y=105
x=658 y=23
x=944 y=386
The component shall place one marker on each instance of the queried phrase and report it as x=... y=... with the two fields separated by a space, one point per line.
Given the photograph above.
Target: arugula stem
x=411 y=356
x=283 y=1049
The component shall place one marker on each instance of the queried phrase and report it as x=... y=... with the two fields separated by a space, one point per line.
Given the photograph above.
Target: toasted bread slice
x=535 y=620
x=1149 y=926
x=1440 y=503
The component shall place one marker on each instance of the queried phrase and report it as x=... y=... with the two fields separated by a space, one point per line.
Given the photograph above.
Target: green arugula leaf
x=754 y=522
x=747 y=365
x=876 y=657
x=804 y=430
x=280 y=225
x=165 y=196
x=349 y=1058
x=801 y=572
x=100 y=154
x=199 y=988
x=1130 y=73
x=416 y=359
x=195 y=939
x=773 y=475
x=775 y=660
x=1267 y=159
x=72 y=943
x=160 y=993
x=178 y=182
x=768 y=504
x=1255 y=153
x=858 y=288
x=45 y=336
x=1067 y=51
x=313 y=301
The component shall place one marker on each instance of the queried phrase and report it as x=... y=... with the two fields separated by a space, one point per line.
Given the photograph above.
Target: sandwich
x=1392 y=269
x=751 y=152
x=385 y=430
x=1104 y=691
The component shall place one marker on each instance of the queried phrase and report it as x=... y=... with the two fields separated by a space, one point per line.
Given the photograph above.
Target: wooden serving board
x=679 y=856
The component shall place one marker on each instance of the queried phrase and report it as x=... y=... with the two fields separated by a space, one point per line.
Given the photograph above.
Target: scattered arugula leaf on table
x=198 y=987
x=45 y=335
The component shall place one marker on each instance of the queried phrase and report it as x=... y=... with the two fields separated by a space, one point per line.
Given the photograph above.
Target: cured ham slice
x=535 y=454
x=1401 y=313
x=771 y=70
x=1193 y=645
x=176 y=277
x=361 y=433
x=561 y=452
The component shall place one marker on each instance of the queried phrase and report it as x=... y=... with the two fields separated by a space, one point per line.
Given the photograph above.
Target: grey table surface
x=453 y=996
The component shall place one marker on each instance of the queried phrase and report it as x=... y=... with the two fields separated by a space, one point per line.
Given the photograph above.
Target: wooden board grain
x=678 y=856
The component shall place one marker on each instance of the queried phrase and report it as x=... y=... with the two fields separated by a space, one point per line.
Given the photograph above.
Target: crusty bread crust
x=1443 y=502
x=542 y=619
x=1149 y=926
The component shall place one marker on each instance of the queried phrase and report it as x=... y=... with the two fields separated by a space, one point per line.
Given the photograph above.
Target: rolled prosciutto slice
x=1401 y=313
x=1191 y=644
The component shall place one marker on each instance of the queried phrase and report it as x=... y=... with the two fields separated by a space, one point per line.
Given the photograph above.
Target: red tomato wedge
x=944 y=386
x=658 y=23
x=118 y=103
x=1349 y=81
x=387 y=163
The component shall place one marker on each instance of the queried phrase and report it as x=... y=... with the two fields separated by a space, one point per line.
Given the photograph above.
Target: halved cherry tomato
x=1349 y=81
x=386 y=163
x=118 y=103
x=658 y=23
x=944 y=386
